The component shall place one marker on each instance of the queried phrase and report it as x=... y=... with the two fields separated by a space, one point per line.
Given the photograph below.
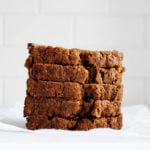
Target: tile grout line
x=3 y=32
x=110 y=7
x=74 y=32
x=3 y=93
x=145 y=92
x=145 y=20
x=37 y=7
x=78 y=14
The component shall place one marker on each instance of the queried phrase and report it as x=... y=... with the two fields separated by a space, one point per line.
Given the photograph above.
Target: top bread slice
x=63 y=56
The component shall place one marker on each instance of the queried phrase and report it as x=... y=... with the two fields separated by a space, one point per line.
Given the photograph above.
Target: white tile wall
x=134 y=91
x=137 y=62
x=1 y=93
x=15 y=91
x=95 y=24
x=17 y=6
x=12 y=62
x=148 y=92
x=40 y=29
x=1 y=30
x=109 y=31
x=148 y=32
x=75 y=6
x=131 y=7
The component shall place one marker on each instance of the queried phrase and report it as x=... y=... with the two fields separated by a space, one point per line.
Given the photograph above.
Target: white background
x=90 y=24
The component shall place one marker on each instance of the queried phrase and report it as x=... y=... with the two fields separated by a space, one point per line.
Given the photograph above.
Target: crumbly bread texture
x=80 y=74
x=63 y=56
x=103 y=92
x=58 y=73
x=52 y=55
x=109 y=122
x=73 y=89
x=68 y=90
x=53 y=107
x=105 y=75
x=40 y=122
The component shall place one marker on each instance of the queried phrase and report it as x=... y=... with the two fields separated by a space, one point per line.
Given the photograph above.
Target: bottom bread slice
x=41 y=122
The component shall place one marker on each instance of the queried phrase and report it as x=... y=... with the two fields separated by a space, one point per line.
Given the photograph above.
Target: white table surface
x=135 y=131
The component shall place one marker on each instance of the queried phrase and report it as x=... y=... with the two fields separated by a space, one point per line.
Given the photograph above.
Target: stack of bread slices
x=73 y=89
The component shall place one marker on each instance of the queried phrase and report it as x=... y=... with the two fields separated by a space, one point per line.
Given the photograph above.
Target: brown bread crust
x=68 y=90
x=105 y=75
x=52 y=55
x=63 y=56
x=53 y=107
x=80 y=74
x=73 y=89
x=102 y=58
x=110 y=122
x=103 y=92
x=40 y=122
x=58 y=73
